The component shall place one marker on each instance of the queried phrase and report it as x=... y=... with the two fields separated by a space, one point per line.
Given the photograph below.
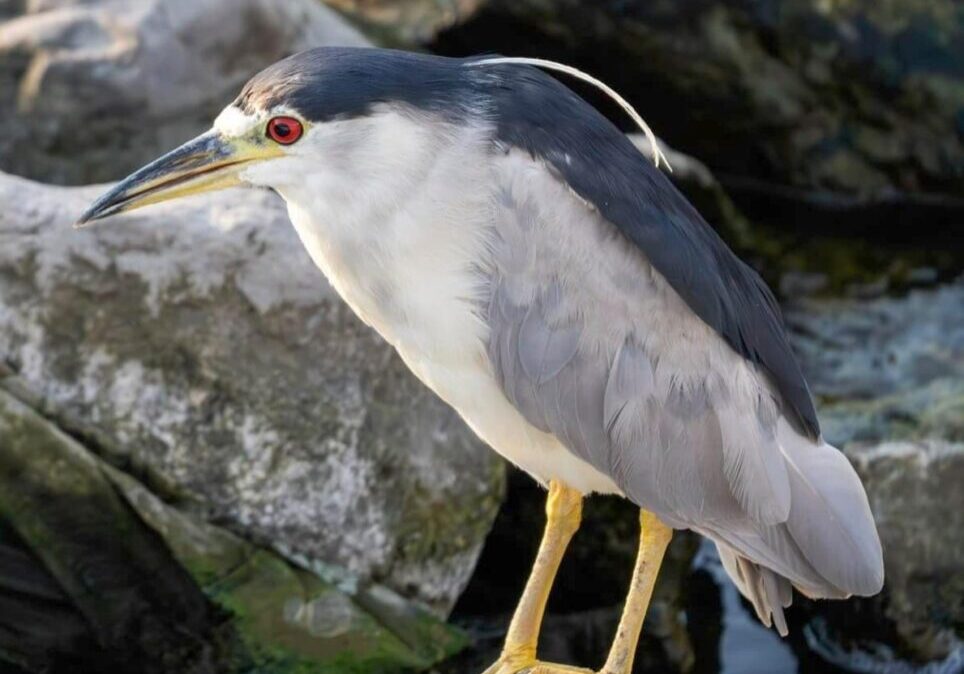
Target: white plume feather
x=599 y=84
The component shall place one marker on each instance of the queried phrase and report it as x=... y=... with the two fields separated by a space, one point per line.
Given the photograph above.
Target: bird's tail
x=827 y=548
x=768 y=591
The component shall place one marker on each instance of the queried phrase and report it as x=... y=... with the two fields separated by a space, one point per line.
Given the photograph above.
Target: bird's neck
x=400 y=230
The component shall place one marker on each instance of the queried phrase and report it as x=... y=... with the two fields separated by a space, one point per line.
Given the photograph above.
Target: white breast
x=401 y=233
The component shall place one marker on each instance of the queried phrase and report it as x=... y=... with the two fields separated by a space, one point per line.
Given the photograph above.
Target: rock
x=861 y=98
x=98 y=574
x=885 y=369
x=888 y=374
x=406 y=23
x=197 y=347
x=93 y=90
x=915 y=493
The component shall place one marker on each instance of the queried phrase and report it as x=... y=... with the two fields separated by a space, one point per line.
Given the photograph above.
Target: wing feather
x=539 y=115
x=698 y=441
x=543 y=349
x=756 y=472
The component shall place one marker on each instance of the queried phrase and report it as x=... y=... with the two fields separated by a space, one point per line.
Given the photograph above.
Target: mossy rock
x=201 y=351
x=102 y=575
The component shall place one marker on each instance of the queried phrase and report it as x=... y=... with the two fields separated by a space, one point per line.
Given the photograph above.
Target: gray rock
x=888 y=368
x=915 y=493
x=93 y=90
x=99 y=575
x=198 y=347
x=406 y=23
x=889 y=377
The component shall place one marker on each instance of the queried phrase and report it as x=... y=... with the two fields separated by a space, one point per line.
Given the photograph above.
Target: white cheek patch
x=261 y=173
x=232 y=122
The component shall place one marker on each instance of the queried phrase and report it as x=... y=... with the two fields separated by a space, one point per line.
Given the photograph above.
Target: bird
x=546 y=279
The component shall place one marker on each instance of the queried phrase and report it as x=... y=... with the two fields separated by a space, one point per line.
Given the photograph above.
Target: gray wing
x=592 y=344
x=538 y=114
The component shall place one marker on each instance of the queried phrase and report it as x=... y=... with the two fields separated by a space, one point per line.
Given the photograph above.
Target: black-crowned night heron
x=535 y=270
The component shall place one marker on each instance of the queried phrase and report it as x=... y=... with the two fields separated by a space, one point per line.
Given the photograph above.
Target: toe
x=508 y=667
x=548 y=668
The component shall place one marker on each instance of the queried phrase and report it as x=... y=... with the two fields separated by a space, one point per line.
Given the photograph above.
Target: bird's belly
x=471 y=389
x=423 y=312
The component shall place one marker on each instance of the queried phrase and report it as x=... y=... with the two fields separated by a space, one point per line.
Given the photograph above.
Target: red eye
x=284 y=130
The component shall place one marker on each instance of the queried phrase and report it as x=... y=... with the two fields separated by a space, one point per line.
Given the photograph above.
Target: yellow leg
x=563 y=516
x=653 y=539
x=564 y=512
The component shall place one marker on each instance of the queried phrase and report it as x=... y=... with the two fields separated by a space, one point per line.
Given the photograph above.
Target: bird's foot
x=550 y=668
x=515 y=666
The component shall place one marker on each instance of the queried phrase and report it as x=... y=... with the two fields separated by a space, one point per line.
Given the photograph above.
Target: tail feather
x=774 y=589
x=769 y=592
x=830 y=518
x=828 y=547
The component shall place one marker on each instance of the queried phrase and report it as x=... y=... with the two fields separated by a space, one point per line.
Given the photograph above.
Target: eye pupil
x=284 y=130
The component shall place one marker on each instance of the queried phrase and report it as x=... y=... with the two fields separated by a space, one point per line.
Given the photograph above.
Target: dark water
x=746 y=646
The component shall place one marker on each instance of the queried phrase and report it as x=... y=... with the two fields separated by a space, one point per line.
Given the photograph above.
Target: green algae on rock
x=162 y=591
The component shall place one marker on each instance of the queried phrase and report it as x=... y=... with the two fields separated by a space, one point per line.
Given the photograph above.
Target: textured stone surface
x=888 y=374
x=916 y=495
x=120 y=581
x=92 y=90
x=198 y=347
x=406 y=22
x=888 y=368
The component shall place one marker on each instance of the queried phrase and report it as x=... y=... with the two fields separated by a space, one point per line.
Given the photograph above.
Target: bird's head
x=358 y=124
x=301 y=112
